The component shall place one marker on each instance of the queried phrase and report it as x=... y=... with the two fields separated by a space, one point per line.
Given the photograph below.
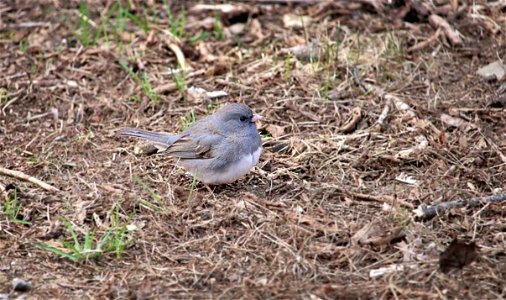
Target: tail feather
x=155 y=137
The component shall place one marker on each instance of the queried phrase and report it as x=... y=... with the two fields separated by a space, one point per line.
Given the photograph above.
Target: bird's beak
x=256 y=118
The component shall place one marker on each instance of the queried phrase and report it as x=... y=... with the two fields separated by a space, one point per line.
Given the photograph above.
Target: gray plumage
x=217 y=149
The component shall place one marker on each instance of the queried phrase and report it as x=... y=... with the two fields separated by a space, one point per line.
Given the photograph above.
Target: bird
x=217 y=149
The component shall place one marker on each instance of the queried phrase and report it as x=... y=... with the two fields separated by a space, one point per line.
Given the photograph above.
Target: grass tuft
x=90 y=246
x=81 y=249
x=12 y=208
x=157 y=206
x=142 y=80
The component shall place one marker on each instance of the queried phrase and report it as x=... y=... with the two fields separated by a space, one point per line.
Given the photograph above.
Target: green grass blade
x=104 y=240
x=72 y=248
x=72 y=233
x=88 y=240
x=56 y=251
x=83 y=23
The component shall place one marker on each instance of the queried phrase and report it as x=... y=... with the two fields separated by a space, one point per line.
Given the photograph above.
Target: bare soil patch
x=370 y=111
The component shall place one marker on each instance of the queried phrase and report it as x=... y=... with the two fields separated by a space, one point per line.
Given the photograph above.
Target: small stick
x=427 y=42
x=452 y=35
x=358 y=80
x=171 y=86
x=497 y=149
x=384 y=112
x=23 y=176
x=427 y=212
x=32 y=24
x=356 y=116
x=396 y=101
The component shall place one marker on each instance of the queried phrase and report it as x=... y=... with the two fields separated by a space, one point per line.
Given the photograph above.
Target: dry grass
x=325 y=206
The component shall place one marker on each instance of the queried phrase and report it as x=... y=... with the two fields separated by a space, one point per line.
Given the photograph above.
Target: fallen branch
x=23 y=176
x=428 y=212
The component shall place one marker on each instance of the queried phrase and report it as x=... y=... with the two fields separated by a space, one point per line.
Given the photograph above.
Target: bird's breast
x=235 y=170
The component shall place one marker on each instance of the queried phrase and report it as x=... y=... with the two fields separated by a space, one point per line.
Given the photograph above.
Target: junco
x=217 y=149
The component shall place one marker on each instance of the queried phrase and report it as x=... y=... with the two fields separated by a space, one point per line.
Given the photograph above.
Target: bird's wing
x=196 y=146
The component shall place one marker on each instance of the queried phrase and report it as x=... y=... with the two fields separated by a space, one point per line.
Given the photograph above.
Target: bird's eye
x=243 y=118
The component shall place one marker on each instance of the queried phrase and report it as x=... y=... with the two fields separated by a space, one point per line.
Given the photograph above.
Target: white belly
x=236 y=171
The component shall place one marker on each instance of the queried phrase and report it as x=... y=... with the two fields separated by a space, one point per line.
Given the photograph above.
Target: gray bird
x=217 y=149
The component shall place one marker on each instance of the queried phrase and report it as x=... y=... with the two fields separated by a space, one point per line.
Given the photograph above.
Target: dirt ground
x=371 y=110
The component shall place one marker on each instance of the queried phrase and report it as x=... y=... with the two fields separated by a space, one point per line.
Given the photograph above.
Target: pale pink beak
x=256 y=118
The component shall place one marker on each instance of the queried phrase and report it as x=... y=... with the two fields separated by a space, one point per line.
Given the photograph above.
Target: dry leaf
x=322 y=249
x=401 y=105
x=423 y=143
x=237 y=28
x=404 y=178
x=407 y=250
x=98 y=222
x=457 y=122
x=80 y=206
x=255 y=29
x=275 y=130
x=482 y=144
x=311 y=222
x=495 y=70
x=126 y=37
x=306 y=51
x=206 y=23
x=377 y=233
x=351 y=123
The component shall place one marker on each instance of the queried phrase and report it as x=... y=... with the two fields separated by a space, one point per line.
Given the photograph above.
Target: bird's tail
x=155 y=137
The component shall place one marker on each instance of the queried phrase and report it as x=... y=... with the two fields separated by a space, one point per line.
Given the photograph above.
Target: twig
x=171 y=86
x=8 y=103
x=397 y=102
x=427 y=212
x=452 y=35
x=31 y=24
x=427 y=42
x=52 y=112
x=384 y=112
x=497 y=150
x=23 y=176
x=358 y=80
x=477 y=109
x=356 y=116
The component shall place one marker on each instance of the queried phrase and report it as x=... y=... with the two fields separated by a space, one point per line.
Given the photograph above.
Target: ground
x=371 y=109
